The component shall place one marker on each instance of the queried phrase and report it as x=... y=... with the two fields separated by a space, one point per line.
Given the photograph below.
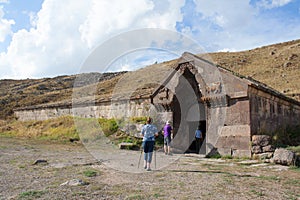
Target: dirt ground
x=189 y=177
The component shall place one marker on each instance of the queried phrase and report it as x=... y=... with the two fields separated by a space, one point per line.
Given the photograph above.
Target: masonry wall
x=272 y=115
x=234 y=134
x=139 y=107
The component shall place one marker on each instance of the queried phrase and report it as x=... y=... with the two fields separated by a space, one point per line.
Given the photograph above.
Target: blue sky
x=46 y=38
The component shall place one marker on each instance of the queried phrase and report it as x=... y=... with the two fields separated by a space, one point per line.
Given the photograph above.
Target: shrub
x=108 y=126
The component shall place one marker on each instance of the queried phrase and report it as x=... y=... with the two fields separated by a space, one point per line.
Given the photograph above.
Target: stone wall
x=234 y=134
x=272 y=115
x=134 y=108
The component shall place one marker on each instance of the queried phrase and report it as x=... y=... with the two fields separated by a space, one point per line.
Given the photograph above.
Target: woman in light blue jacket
x=149 y=132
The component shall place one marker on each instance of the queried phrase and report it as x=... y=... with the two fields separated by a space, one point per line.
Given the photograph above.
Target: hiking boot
x=148 y=169
x=145 y=167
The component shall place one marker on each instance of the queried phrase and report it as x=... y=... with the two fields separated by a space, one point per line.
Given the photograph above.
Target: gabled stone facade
x=229 y=109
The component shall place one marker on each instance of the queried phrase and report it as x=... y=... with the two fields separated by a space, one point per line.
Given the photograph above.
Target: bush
x=108 y=126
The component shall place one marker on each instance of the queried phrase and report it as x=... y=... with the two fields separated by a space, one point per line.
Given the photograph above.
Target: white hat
x=168 y=122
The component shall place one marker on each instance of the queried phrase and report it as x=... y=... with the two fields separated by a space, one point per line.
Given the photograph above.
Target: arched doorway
x=196 y=117
x=188 y=112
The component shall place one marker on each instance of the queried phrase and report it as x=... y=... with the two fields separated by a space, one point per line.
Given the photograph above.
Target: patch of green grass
x=295 y=168
x=79 y=194
x=291 y=195
x=258 y=193
x=292 y=182
x=215 y=156
x=141 y=120
x=228 y=179
x=157 y=195
x=273 y=178
x=31 y=194
x=21 y=166
x=294 y=148
x=90 y=173
x=134 y=197
x=227 y=157
x=3 y=147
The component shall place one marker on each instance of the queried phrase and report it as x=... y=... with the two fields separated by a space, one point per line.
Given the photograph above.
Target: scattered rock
x=284 y=157
x=40 y=161
x=287 y=64
x=74 y=182
x=74 y=139
x=214 y=152
x=125 y=145
x=102 y=90
x=293 y=56
x=286 y=91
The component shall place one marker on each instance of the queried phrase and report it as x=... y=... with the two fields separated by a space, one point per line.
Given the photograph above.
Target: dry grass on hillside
x=276 y=65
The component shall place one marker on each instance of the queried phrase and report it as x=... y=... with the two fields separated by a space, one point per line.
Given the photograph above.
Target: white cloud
x=64 y=32
x=5 y=26
x=50 y=48
x=269 y=4
x=238 y=25
x=109 y=18
x=4 y=1
x=235 y=14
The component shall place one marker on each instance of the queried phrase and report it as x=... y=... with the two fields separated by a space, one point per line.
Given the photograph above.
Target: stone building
x=230 y=109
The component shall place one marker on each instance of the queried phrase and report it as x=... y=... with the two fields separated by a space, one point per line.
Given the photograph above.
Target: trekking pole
x=140 y=157
x=154 y=157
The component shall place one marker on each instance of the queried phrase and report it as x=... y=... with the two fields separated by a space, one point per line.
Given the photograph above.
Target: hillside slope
x=276 y=65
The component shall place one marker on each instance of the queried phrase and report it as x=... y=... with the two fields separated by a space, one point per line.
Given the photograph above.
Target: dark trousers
x=148 y=150
x=198 y=141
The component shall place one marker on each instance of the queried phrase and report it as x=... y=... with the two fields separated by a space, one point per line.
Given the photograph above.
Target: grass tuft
x=32 y=194
x=90 y=173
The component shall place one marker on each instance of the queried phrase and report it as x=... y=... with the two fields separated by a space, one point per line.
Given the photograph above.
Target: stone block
x=256 y=149
x=261 y=140
x=233 y=142
x=263 y=156
x=268 y=148
x=236 y=130
x=284 y=157
x=241 y=153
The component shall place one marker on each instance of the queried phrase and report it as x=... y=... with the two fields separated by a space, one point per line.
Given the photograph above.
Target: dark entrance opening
x=192 y=128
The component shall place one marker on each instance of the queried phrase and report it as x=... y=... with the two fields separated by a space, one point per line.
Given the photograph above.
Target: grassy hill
x=276 y=65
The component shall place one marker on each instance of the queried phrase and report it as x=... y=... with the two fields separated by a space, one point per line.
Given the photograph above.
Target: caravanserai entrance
x=182 y=100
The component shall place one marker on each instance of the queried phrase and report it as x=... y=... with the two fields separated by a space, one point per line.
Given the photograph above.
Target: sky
x=47 y=38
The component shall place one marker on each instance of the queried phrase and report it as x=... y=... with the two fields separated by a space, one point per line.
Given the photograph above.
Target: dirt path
x=189 y=177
